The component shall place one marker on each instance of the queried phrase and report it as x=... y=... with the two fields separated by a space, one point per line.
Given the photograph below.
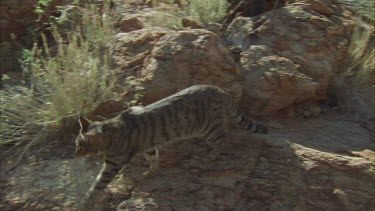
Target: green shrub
x=71 y=79
x=21 y=115
x=361 y=47
x=95 y=27
x=171 y=20
x=363 y=8
x=202 y=11
x=207 y=11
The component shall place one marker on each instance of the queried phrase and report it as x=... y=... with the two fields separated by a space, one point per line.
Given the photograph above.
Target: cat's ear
x=84 y=123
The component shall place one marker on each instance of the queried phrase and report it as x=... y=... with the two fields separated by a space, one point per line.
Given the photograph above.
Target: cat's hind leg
x=219 y=144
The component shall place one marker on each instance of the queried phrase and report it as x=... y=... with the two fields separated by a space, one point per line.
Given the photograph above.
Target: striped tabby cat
x=201 y=111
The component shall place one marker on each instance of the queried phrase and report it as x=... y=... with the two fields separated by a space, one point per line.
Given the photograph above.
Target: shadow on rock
x=257 y=173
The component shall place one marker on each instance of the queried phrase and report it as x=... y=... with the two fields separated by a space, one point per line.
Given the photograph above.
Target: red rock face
x=306 y=45
x=165 y=62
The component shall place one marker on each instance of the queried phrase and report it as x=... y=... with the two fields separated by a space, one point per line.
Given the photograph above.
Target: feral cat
x=200 y=111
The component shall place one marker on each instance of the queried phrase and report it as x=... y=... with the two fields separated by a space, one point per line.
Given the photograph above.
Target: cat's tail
x=243 y=122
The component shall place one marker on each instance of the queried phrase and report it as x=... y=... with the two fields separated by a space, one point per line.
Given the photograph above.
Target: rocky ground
x=291 y=65
x=310 y=164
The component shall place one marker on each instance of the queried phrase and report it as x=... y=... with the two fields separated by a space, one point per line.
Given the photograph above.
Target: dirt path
x=313 y=164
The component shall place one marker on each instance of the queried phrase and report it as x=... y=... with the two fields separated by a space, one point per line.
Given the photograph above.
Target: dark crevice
x=251 y=8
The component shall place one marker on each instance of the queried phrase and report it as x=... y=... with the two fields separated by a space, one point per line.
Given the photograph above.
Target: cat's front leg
x=96 y=193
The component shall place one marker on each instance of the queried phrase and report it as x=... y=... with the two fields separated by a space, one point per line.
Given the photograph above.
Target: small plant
x=207 y=11
x=40 y=4
x=71 y=79
x=170 y=20
x=41 y=9
x=88 y=20
x=363 y=8
x=361 y=47
x=201 y=11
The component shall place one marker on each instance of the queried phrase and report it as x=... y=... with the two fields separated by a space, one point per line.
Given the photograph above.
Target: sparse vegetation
x=363 y=8
x=207 y=11
x=170 y=20
x=69 y=77
x=319 y=154
x=361 y=48
x=201 y=11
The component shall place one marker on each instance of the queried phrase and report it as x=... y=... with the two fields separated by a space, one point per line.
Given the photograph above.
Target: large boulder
x=272 y=82
x=163 y=62
x=352 y=89
x=311 y=37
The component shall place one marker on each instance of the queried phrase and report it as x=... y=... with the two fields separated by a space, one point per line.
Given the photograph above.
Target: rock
x=276 y=124
x=272 y=82
x=189 y=23
x=138 y=204
x=108 y=108
x=303 y=164
x=221 y=181
x=169 y=61
x=163 y=16
x=312 y=163
x=270 y=172
x=308 y=109
x=130 y=24
x=320 y=7
x=343 y=198
x=308 y=47
x=131 y=50
x=149 y=3
x=368 y=154
x=264 y=164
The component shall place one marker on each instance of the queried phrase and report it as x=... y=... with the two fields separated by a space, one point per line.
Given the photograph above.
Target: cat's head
x=92 y=137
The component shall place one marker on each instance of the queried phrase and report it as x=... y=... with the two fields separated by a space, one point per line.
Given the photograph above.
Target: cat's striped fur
x=201 y=111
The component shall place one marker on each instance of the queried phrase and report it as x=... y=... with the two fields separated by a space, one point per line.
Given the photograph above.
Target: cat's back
x=185 y=96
